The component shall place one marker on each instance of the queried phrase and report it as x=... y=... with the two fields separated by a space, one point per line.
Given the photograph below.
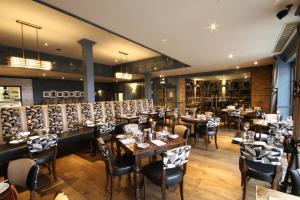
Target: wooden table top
x=263 y=193
x=192 y=119
x=135 y=150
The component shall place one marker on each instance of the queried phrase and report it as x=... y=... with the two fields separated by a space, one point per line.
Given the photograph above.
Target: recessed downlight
x=43 y=74
x=237 y=67
x=230 y=56
x=63 y=77
x=116 y=60
x=81 y=79
x=213 y=27
x=46 y=44
x=164 y=39
x=255 y=63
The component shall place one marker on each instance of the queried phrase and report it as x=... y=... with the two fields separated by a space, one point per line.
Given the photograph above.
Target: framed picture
x=53 y=94
x=71 y=94
x=82 y=94
x=77 y=93
x=60 y=94
x=46 y=94
x=66 y=94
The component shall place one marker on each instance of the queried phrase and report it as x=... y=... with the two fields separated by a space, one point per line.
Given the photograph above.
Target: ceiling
x=179 y=29
x=62 y=31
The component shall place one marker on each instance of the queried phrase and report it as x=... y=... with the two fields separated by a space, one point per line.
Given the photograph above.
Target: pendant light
x=24 y=62
x=120 y=74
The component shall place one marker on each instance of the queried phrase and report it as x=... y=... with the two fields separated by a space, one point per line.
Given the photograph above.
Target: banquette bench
x=62 y=119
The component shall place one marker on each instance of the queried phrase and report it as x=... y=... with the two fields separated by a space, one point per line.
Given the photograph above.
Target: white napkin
x=158 y=142
x=128 y=141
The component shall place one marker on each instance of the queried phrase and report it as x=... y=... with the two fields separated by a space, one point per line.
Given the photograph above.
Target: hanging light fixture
x=120 y=74
x=24 y=62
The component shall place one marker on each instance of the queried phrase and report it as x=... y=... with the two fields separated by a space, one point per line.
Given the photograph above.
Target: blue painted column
x=284 y=101
x=148 y=85
x=88 y=69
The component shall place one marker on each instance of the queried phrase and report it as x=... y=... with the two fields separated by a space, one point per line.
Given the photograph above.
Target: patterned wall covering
x=132 y=107
x=34 y=118
x=108 y=111
x=10 y=118
x=125 y=108
x=117 y=107
x=72 y=117
x=139 y=107
x=98 y=111
x=86 y=112
x=55 y=119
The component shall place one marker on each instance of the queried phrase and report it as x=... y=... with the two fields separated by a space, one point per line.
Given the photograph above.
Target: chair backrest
x=234 y=113
x=143 y=119
x=176 y=157
x=106 y=127
x=182 y=131
x=23 y=172
x=209 y=114
x=106 y=154
x=131 y=127
x=42 y=143
x=213 y=122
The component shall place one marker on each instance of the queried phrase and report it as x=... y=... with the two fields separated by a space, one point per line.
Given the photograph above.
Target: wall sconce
x=133 y=87
x=100 y=92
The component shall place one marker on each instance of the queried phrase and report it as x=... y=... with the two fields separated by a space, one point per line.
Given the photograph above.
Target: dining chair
x=131 y=127
x=234 y=118
x=253 y=164
x=295 y=180
x=182 y=131
x=119 y=166
x=169 y=171
x=212 y=129
x=23 y=173
x=143 y=122
x=43 y=151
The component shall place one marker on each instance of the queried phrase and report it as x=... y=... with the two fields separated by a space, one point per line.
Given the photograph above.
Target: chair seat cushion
x=153 y=172
x=260 y=175
x=123 y=165
x=211 y=133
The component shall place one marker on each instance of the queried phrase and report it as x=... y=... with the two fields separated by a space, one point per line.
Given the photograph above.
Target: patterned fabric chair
x=212 y=128
x=34 y=118
x=114 y=167
x=257 y=164
x=182 y=131
x=11 y=122
x=234 y=118
x=55 y=119
x=143 y=122
x=43 y=151
x=23 y=173
x=72 y=117
x=132 y=107
x=117 y=107
x=139 y=106
x=125 y=108
x=170 y=171
x=108 y=111
x=145 y=105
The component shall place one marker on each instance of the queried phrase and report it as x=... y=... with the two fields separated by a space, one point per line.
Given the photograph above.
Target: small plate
x=173 y=136
x=121 y=136
x=3 y=187
x=34 y=137
x=143 y=145
x=24 y=134
x=14 y=142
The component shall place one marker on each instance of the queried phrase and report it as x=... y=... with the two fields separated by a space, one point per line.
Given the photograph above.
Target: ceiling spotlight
x=164 y=39
x=213 y=27
x=237 y=67
x=63 y=78
x=230 y=56
x=116 y=60
x=255 y=63
x=43 y=74
x=281 y=14
x=46 y=44
x=81 y=79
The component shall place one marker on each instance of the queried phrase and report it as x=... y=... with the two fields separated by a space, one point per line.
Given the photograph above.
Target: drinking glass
x=251 y=136
x=246 y=126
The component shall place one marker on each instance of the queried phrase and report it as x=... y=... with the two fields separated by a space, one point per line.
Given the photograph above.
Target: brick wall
x=261 y=89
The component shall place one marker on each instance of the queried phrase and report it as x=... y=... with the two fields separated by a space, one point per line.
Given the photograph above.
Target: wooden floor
x=211 y=175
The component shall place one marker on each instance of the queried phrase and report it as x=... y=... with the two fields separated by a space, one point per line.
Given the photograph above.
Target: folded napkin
x=158 y=142
x=128 y=141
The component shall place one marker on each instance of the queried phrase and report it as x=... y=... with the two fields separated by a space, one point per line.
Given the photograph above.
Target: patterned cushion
x=10 y=120
x=106 y=127
x=34 y=118
x=145 y=104
x=117 y=107
x=72 y=117
x=55 y=119
x=143 y=119
x=108 y=111
x=125 y=108
x=139 y=107
x=42 y=143
x=98 y=112
x=86 y=112
x=213 y=122
x=234 y=113
x=150 y=104
x=132 y=107
x=176 y=157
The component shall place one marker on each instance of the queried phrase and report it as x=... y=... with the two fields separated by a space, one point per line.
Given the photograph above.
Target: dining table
x=128 y=118
x=151 y=152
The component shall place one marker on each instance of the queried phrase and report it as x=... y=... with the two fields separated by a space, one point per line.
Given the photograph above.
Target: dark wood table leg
x=138 y=178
